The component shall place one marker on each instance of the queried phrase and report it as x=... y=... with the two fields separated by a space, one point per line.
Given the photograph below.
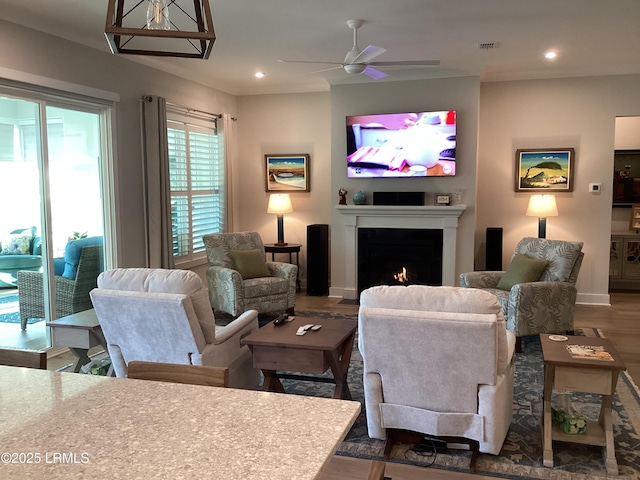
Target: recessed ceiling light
x=259 y=74
x=550 y=55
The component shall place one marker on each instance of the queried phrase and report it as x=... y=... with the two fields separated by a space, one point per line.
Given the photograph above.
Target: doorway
x=624 y=264
x=53 y=191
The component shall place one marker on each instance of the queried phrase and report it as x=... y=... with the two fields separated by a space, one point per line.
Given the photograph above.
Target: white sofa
x=437 y=361
x=158 y=315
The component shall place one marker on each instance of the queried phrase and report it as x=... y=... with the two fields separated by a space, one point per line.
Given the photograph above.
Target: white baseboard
x=593 y=299
x=344 y=293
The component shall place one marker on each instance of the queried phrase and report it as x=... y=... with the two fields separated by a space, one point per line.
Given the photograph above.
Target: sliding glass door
x=52 y=192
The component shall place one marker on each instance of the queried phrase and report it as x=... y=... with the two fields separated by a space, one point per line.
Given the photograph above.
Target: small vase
x=360 y=198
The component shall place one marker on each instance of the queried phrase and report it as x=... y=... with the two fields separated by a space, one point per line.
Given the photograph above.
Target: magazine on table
x=589 y=352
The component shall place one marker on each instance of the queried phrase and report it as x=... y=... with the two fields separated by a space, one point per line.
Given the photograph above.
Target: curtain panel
x=155 y=159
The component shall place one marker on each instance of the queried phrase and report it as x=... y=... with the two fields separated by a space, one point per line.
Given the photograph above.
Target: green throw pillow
x=521 y=270
x=250 y=263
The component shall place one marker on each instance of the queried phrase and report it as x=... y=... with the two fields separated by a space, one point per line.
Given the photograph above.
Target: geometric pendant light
x=165 y=28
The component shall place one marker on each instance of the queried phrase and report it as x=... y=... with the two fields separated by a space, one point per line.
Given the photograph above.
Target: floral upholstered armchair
x=240 y=279
x=538 y=291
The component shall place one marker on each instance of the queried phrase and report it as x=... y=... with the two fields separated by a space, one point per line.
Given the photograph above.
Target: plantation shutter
x=196 y=171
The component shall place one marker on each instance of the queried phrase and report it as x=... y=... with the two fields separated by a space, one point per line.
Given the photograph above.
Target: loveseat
x=20 y=249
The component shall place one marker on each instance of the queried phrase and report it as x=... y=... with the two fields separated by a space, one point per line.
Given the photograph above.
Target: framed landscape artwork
x=544 y=170
x=287 y=172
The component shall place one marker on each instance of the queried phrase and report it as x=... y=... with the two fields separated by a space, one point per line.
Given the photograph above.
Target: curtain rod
x=187 y=110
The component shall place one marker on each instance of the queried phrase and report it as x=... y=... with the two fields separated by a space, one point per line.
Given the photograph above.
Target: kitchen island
x=67 y=425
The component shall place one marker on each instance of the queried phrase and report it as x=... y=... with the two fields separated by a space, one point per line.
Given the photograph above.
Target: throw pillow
x=522 y=269
x=16 y=244
x=250 y=263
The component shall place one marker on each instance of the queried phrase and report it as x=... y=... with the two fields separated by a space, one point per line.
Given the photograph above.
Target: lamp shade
x=542 y=206
x=280 y=203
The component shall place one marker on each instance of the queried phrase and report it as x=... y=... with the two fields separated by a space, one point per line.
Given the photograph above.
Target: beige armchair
x=240 y=279
x=157 y=315
x=437 y=361
x=545 y=304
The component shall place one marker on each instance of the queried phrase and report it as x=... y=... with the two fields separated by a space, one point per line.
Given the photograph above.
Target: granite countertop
x=66 y=425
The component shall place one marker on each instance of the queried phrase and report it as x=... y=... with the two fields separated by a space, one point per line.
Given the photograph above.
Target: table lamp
x=542 y=206
x=280 y=203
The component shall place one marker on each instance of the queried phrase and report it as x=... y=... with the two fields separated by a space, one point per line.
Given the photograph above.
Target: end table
x=563 y=372
x=289 y=248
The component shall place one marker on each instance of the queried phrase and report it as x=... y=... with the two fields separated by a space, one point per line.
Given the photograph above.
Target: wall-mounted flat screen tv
x=412 y=144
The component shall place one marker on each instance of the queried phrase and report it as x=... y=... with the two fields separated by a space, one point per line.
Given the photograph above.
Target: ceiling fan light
x=355 y=68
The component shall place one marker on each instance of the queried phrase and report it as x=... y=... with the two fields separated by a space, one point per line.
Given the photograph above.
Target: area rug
x=521 y=455
x=10 y=310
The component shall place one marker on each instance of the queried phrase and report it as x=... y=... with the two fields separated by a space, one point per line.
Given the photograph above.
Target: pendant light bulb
x=158 y=15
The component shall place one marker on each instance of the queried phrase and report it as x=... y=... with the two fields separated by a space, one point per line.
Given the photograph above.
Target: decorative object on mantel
x=634 y=220
x=280 y=203
x=165 y=28
x=442 y=199
x=360 y=198
x=542 y=206
x=544 y=169
x=343 y=196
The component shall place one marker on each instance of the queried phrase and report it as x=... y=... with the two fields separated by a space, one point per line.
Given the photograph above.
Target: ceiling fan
x=359 y=61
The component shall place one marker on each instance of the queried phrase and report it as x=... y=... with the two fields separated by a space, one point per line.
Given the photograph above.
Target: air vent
x=488 y=45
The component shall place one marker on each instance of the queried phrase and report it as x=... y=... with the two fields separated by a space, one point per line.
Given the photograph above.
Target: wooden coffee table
x=563 y=372
x=279 y=348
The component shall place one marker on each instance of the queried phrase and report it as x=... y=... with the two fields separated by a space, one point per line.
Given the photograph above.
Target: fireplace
x=399 y=256
x=358 y=217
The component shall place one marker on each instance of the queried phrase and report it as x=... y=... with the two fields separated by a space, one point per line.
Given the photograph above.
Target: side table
x=79 y=332
x=563 y=372
x=289 y=248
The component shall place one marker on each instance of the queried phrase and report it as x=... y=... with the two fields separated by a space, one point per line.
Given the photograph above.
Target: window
x=196 y=175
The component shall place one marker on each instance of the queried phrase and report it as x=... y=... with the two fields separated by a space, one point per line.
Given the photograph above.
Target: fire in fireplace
x=402 y=276
x=397 y=256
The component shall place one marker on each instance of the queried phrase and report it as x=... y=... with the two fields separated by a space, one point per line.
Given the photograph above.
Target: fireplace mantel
x=393 y=216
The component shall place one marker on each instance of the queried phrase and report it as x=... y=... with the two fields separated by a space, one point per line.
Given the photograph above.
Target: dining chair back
x=23 y=358
x=176 y=373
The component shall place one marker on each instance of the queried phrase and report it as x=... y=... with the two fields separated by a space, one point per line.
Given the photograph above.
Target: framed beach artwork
x=544 y=170
x=287 y=172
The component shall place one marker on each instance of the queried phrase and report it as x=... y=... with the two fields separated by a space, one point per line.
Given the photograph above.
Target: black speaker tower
x=318 y=259
x=493 y=249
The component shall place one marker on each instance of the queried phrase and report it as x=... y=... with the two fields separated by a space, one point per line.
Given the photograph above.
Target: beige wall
x=270 y=124
x=578 y=113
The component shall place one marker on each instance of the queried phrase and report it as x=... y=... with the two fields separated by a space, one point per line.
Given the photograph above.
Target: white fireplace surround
x=443 y=218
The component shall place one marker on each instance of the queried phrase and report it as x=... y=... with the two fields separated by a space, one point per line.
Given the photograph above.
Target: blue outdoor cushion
x=72 y=255
x=58 y=266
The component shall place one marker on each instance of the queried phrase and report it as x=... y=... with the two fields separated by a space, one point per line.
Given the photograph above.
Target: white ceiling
x=591 y=37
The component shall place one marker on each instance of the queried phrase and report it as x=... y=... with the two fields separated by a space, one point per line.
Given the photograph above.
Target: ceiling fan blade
x=325 y=70
x=309 y=61
x=368 y=54
x=416 y=63
x=373 y=73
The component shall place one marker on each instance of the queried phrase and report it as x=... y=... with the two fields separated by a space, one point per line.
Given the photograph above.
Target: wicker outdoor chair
x=72 y=296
